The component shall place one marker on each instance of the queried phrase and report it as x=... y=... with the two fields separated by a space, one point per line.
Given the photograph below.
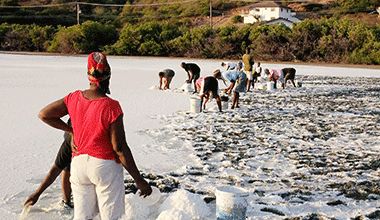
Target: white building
x=270 y=12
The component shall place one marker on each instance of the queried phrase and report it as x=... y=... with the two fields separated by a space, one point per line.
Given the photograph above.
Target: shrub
x=237 y=19
x=17 y=37
x=87 y=37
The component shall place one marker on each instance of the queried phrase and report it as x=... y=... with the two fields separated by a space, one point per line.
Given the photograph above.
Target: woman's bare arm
x=125 y=156
x=52 y=114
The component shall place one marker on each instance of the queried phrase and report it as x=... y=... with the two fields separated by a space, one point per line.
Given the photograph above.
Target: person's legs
x=294 y=84
x=165 y=83
x=84 y=194
x=169 y=80
x=291 y=76
x=107 y=175
x=196 y=76
x=235 y=100
x=249 y=77
x=66 y=186
x=254 y=81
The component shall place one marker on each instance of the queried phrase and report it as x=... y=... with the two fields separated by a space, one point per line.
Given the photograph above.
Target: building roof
x=267 y=4
x=279 y=20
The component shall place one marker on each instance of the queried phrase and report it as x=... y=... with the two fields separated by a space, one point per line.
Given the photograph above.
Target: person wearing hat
x=100 y=150
x=193 y=72
x=166 y=77
x=208 y=88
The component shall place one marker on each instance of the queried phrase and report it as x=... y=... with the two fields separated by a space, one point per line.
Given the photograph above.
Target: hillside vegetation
x=341 y=31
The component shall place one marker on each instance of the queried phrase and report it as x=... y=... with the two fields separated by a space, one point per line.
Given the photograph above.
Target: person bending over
x=229 y=65
x=166 y=77
x=238 y=83
x=288 y=74
x=272 y=75
x=61 y=165
x=208 y=88
x=193 y=72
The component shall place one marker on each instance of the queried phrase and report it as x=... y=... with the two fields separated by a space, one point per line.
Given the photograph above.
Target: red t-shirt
x=91 y=120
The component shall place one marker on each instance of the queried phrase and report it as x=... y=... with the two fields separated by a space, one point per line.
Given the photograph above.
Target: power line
x=97 y=4
x=37 y=6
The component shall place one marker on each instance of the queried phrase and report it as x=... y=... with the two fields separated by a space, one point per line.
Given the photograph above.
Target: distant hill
x=196 y=11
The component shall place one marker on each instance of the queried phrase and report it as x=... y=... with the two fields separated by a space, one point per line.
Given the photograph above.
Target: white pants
x=98 y=187
x=248 y=74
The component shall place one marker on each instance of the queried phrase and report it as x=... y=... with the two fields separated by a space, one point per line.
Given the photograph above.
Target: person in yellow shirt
x=248 y=62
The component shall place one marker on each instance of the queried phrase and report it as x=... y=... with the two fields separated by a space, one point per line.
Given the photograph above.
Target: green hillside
x=341 y=31
x=119 y=12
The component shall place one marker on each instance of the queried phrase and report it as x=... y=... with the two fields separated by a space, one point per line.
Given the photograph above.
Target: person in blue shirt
x=238 y=83
x=229 y=65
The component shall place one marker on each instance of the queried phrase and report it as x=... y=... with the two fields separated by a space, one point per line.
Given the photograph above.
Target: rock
x=272 y=210
x=374 y=215
x=335 y=203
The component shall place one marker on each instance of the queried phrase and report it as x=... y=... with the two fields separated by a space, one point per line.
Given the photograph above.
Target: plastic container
x=224 y=105
x=195 y=104
x=224 y=100
x=150 y=200
x=270 y=86
x=231 y=203
x=187 y=88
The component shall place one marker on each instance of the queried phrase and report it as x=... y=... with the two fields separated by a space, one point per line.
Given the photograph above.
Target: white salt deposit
x=29 y=147
x=189 y=204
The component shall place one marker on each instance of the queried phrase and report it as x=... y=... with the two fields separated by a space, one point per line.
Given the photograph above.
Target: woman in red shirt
x=99 y=143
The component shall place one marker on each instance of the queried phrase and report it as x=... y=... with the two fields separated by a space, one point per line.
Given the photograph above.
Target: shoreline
x=192 y=58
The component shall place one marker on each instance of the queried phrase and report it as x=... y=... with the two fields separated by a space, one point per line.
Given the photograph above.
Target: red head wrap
x=98 y=68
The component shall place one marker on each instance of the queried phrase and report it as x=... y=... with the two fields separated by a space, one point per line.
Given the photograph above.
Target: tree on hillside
x=8 y=3
x=352 y=6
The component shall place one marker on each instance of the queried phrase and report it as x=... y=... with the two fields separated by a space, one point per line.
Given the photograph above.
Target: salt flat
x=300 y=151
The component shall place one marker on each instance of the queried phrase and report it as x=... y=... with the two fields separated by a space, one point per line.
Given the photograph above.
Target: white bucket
x=225 y=105
x=150 y=200
x=187 y=87
x=195 y=104
x=270 y=86
x=231 y=203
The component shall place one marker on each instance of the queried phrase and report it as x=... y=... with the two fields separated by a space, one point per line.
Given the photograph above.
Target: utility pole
x=210 y=13
x=78 y=12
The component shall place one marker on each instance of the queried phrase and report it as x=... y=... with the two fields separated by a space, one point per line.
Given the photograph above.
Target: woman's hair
x=266 y=71
x=104 y=86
